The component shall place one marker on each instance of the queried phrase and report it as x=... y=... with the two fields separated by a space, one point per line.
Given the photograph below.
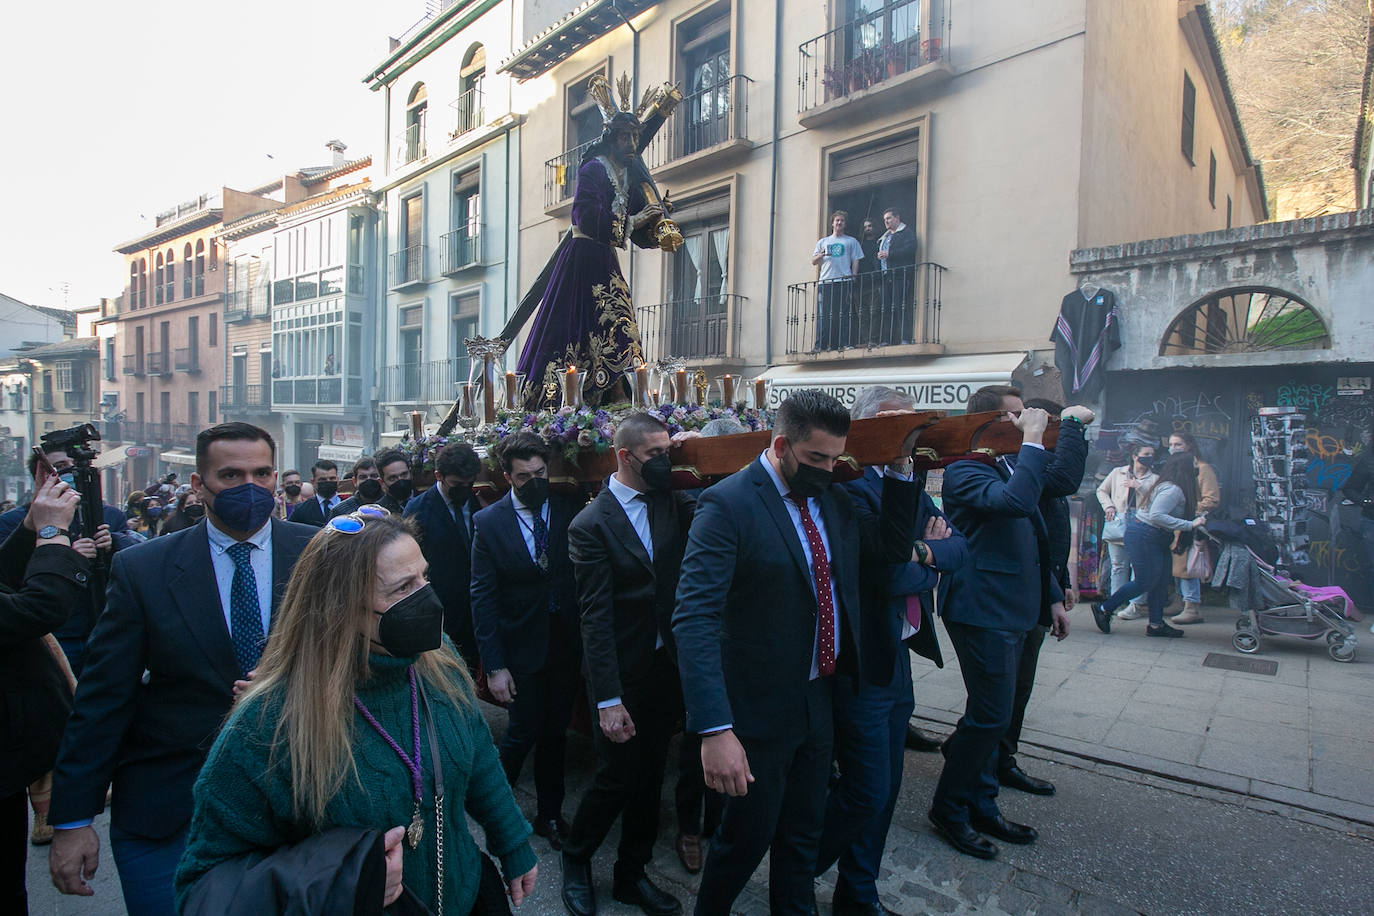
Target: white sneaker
x=1129 y=612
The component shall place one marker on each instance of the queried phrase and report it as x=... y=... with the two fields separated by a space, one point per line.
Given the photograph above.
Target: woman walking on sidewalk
x=1164 y=510
x=1119 y=495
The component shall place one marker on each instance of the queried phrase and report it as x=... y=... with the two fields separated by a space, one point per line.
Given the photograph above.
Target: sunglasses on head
x=354 y=521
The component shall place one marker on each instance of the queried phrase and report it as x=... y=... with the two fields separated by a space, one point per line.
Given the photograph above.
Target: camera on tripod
x=76 y=442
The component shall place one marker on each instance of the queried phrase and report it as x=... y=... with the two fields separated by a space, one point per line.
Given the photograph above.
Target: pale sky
x=113 y=112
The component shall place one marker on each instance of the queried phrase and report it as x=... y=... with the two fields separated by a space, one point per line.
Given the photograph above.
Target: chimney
x=337 y=147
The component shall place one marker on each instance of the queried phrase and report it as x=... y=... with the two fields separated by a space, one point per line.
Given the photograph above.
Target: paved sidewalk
x=1302 y=737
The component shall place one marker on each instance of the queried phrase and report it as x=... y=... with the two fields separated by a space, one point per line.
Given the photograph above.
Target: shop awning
x=109 y=458
x=178 y=457
x=339 y=453
x=937 y=382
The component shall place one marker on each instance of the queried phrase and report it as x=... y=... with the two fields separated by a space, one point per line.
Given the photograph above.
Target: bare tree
x=1296 y=68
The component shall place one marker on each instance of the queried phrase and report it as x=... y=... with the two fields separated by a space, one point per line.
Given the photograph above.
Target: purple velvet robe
x=585 y=317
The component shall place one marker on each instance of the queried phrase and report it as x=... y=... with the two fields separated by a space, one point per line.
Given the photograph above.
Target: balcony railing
x=702 y=328
x=186 y=359
x=244 y=397
x=875 y=309
x=326 y=391
x=75 y=400
x=462 y=248
x=560 y=175
x=355 y=279
x=410 y=144
x=45 y=401
x=236 y=306
x=467 y=113
x=133 y=364
x=707 y=118
x=158 y=363
x=408 y=266
x=433 y=383
x=868 y=51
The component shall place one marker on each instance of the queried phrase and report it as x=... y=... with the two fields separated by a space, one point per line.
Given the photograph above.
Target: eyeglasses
x=353 y=522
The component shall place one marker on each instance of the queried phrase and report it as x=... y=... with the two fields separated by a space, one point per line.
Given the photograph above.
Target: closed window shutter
x=889 y=161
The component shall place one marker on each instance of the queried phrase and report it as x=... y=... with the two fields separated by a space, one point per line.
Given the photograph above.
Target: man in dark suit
x=191 y=609
x=896 y=260
x=324 y=477
x=444 y=514
x=1005 y=591
x=524 y=613
x=626 y=549
x=382 y=480
x=1062 y=478
x=768 y=612
x=871 y=724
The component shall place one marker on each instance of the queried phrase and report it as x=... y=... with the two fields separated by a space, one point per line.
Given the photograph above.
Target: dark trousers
x=895 y=325
x=1025 y=683
x=870 y=742
x=834 y=313
x=1151 y=569
x=629 y=776
x=781 y=815
x=147 y=869
x=14 y=851
x=698 y=808
x=538 y=721
x=988 y=661
x=74 y=647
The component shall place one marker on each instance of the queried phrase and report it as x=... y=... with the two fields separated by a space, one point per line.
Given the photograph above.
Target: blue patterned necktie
x=541 y=539
x=245 y=613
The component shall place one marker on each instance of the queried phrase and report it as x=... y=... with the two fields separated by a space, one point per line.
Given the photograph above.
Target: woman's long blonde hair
x=317 y=655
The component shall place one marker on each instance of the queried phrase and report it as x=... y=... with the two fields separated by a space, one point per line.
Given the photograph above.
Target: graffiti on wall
x=1307 y=398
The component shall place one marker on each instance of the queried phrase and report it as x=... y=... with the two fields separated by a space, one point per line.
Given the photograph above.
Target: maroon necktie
x=913 y=612
x=825 y=599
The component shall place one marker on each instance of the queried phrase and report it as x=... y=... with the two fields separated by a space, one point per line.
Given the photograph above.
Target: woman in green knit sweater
x=327 y=734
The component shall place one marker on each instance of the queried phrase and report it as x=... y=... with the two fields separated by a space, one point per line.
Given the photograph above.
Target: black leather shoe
x=843 y=906
x=1017 y=778
x=579 y=897
x=644 y=894
x=1003 y=829
x=553 y=829
x=1164 y=630
x=963 y=837
x=1102 y=617
x=918 y=740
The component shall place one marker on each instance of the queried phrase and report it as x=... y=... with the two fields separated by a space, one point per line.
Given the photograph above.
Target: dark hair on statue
x=621 y=120
x=457 y=459
x=810 y=409
x=989 y=397
x=522 y=446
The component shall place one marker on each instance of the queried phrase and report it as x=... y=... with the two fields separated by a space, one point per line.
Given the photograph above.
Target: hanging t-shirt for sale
x=842 y=255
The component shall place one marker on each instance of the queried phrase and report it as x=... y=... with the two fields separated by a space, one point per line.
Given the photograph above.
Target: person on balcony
x=838 y=255
x=897 y=262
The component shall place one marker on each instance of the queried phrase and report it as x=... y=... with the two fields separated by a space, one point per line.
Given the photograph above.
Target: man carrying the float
x=584 y=317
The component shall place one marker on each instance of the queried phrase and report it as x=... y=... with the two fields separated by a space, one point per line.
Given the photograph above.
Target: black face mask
x=412 y=625
x=369 y=490
x=195 y=511
x=534 y=492
x=808 y=481
x=328 y=489
x=458 y=496
x=401 y=490
x=1146 y=461
x=657 y=472
x=292 y=490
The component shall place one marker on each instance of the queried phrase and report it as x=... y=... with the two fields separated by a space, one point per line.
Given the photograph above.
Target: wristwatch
x=922 y=552
x=48 y=531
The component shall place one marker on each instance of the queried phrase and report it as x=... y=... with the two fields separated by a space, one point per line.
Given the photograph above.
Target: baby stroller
x=1279 y=606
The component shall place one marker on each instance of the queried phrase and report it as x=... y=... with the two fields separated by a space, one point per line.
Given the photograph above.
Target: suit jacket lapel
x=619 y=523
x=514 y=532
x=194 y=591
x=772 y=501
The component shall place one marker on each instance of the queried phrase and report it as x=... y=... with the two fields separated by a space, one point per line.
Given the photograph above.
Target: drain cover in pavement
x=1236 y=663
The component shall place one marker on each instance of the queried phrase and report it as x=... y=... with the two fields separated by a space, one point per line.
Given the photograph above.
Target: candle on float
x=641 y=385
x=570 y=388
x=417 y=425
x=512 y=391
x=760 y=393
x=727 y=390
x=488 y=389
x=680 y=387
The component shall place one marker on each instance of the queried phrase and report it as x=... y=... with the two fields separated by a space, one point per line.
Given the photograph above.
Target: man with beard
x=184 y=625
x=524 y=612
x=324 y=476
x=383 y=480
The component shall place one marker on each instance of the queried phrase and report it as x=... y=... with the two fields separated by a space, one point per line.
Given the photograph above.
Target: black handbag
x=491 y=891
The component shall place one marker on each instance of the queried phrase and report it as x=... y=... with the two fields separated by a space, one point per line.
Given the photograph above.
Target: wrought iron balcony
x=133 y=364
x=432 y=383
x=874 y=49
x=560 y=176
x=702 y=328
x=75 y=400
x=888 y=308
x=408 y=267
x=187 y=359
x=411 y=144
x=159 y=363
x=462 y=248
x=707 y=119
x=46 y=401
x=237 y=306
x=244 y=398
x=468 y=114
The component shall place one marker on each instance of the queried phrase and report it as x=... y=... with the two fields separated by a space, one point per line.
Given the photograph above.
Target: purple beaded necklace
x=412 y=761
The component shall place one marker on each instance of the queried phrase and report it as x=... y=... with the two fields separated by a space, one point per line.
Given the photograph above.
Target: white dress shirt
x=637 y=511
x=260 y=558
x=526 y=515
